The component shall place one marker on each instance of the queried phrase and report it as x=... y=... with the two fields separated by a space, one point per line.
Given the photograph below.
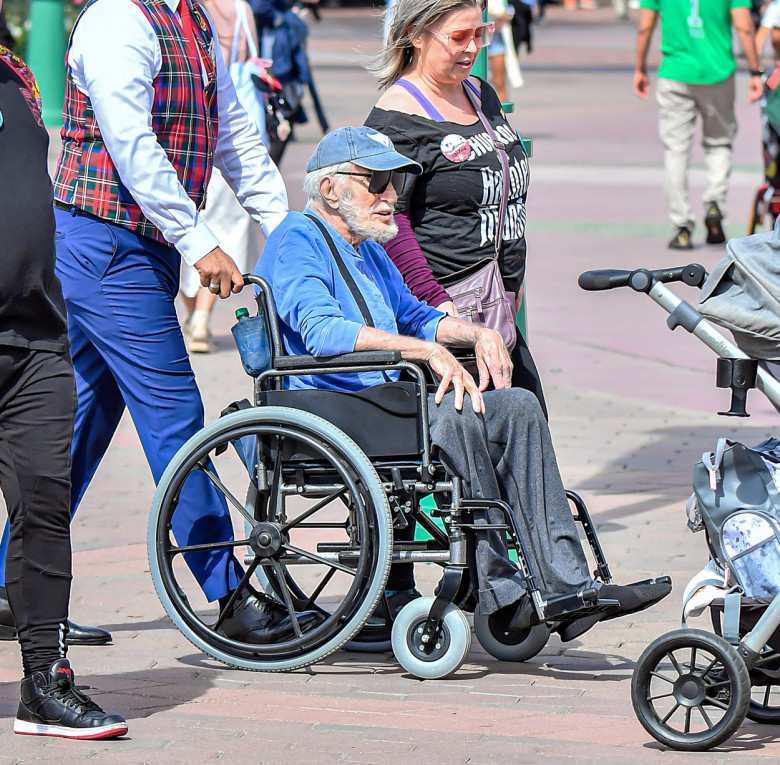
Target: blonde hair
x=410 y=19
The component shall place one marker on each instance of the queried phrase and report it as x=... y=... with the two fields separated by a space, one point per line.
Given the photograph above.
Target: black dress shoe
x=77 y=635
x=259 y=619
x=631 y=599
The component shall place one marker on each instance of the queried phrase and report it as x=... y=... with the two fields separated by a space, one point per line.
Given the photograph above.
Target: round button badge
x=455 y=147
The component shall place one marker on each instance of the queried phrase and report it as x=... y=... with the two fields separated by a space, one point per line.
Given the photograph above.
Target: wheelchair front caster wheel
x=690 y=690
x=451 y=646
x=515 y=646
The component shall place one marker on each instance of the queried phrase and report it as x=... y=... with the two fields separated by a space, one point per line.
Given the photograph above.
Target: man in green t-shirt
x=696 y=77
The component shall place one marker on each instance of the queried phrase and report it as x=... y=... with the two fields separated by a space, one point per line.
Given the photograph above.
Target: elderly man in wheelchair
x=361 y=411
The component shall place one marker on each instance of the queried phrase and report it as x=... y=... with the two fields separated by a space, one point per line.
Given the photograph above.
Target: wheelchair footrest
x=564 y=608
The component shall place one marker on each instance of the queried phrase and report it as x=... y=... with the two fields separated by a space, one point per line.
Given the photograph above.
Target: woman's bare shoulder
x=398 y=99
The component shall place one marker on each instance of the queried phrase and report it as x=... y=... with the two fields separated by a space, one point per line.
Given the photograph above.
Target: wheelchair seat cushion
x=382 y=420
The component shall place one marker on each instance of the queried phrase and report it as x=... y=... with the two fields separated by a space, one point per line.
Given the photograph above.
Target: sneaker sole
x=199 y=346
x=34 y=729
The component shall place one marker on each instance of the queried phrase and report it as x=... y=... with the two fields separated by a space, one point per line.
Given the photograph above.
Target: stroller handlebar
x=641 y=279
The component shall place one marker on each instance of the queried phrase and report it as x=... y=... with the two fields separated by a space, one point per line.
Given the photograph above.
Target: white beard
x=361 y=224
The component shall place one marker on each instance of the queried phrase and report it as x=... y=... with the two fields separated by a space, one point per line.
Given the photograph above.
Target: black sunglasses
x=380 y=179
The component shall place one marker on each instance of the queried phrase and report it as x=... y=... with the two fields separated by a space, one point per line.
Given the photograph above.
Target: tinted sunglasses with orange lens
x=381 y=179
x=460 y=39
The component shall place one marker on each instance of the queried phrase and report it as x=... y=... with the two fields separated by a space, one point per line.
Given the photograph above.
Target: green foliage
x=17 y=13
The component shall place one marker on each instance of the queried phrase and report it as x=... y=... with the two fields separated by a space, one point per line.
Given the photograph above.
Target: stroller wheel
x=765 y=690
x=690 y=690
x=509 y=647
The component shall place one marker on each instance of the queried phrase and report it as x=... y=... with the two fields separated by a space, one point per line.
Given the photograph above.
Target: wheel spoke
x=316 y=508
x=704 y=714
x=666 y=679
x=320 y=587
x=672 y=658
x=767 y=694
x=319 y=559
x=693 y=660
x=209 y=546
x=276 y=505
x=214 y=478
x=719 y=684
x=234 y=597
x=671 y=712
x=279 y=571
x=660 y=696
x=715 y=702
x=706 y=671
x=688 y=718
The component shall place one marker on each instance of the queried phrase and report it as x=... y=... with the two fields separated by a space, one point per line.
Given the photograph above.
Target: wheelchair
x=316 y=482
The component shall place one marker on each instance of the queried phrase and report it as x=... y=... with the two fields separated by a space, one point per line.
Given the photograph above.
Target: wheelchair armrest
x=359 y=358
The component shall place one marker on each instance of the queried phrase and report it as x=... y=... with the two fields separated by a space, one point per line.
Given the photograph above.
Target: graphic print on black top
x=453 y=206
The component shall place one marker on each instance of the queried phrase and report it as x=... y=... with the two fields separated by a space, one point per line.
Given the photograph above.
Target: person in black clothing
x=37 y=402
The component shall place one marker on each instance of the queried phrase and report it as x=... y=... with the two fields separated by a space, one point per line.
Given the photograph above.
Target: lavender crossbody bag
x=478 y=291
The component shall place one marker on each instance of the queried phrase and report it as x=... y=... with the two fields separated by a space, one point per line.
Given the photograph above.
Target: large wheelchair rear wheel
x=690 y=690
x=312 y=516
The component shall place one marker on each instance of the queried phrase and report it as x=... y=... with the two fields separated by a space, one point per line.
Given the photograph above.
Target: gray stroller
x=692 y=689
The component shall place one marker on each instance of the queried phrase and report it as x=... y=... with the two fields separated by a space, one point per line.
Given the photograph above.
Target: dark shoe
x=259 y=619
x=517 y=617
x=681 y=240
x=635 y=597
x=573 y=629
x=375 y=635
x=631 y=598
x=713 y=221
x=77 y=635
x=51 y=705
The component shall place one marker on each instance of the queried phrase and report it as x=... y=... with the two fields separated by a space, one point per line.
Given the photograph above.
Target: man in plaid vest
x=149 y=108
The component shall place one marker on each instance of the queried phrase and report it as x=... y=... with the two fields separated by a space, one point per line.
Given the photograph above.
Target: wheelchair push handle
x=641 y=279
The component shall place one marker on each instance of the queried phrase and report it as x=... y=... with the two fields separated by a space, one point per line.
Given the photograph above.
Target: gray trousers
x=679 y=104
x=507 y=453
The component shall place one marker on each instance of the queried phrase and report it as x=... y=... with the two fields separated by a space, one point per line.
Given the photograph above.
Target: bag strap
x=713 y=460
x=242 y=23
x=421 y=99
x=500 y=148
x=343 y=270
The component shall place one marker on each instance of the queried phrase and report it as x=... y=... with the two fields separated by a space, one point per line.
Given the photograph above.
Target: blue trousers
x=128 y=350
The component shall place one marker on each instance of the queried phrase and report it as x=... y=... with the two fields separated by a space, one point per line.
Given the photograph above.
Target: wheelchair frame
x=434 y=638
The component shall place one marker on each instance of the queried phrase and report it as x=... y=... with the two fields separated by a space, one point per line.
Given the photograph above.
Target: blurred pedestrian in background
x=696 y=77
x=770 y=28
x=37 y=401
x=500 y=15
x=238 y=234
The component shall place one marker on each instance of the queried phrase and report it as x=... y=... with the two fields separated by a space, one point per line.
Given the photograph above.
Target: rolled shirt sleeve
x=114 y=58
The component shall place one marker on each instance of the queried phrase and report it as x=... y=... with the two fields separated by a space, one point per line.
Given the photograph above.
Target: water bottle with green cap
x=252 y=340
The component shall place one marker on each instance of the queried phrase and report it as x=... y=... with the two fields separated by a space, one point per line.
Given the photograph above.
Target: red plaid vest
x=184 y=119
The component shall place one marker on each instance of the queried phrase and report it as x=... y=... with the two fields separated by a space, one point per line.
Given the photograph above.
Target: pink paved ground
x=632 y=409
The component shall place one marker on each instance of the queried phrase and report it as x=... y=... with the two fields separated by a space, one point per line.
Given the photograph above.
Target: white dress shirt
x=114 y=58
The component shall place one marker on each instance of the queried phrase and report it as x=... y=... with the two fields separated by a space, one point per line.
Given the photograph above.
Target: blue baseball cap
x=363 y=146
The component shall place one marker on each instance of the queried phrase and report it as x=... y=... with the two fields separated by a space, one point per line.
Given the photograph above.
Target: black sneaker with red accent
x=52 y=705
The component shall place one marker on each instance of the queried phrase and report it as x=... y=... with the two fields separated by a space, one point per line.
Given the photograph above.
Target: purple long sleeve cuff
x=409 y=259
